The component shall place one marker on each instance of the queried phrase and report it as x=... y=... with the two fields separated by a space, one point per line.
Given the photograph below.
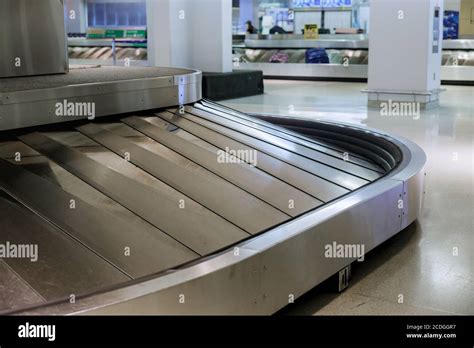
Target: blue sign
x=451 y=25
x=322 y=3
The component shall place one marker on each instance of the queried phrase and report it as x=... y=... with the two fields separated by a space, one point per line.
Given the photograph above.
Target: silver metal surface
x=285 y=133
x=202 y=235
x=333 y=41
x=16 y=293
x=27 y=103
x=32 y=38
x=268 y=271
x=210 y=190
x=276 y=37
x=457 y=73
x=334 y=175
x=106 y=235
x=63 y=266
x=247 y=177
x=296 y=43
x=319 y=188
x=448 y=73
x=302 y=144
x=50 y=171
x=458 y=44
x=82 y=42
x=308 y=70
x=333 y=160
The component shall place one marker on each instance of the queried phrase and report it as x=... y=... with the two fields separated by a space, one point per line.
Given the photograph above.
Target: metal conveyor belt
x=108 y=202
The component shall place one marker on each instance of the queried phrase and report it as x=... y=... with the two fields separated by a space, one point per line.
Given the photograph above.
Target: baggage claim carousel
x=169 y=204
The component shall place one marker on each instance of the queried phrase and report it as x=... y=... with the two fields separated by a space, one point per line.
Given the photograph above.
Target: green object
x=99 y=33
x=115 y=33
x=95 y=33
x=136 y=33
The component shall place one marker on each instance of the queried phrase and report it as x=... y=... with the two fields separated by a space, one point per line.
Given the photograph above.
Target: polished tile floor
x=421 y=262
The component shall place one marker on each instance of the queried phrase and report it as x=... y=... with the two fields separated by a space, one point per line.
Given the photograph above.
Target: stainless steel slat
x=335 y=162
x=281 y=133
x=194 y=226
x=15 y=293
x=208 y=189
x=313 y=185
x=41 y=166
x=291 y=133
x=248 y=177
x=338 y=177
x=134 y=251
x=63 y=267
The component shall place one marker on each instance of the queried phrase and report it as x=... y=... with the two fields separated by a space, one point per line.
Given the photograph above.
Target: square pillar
x=405 y=52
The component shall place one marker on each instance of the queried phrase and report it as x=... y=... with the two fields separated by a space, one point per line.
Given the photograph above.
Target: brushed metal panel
x=194 y=226
x=85 y=90
x=41 y=166
x=287 y=260
x=458 y=44
x=247 y=177
x=208 y=189
x=287 y=134
x=413 y=197
x=331 y=174
x=457 y=73
x=353 y=71
x=13 y=116
x=16 y=293
x=301 y=43
x=64 y=266
x=334 y=161
x=109 y=236
x=312 y=151
x=352 y=222
x=34 y=107
x=322 y=189
x=34 y=32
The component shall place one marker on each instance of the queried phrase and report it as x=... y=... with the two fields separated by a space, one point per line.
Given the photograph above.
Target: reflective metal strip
x=292 y=134
x=269 y=125
x=16 y=293
x=222 y=197
x=133 y=251
x=280 y=132
x=333 y=175
x=194 y=226
x=268 y=188
x=63 y=267
x=317 y=187
x=337 y=163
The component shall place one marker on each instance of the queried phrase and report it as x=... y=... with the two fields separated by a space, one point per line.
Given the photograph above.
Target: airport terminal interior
x=237 y=157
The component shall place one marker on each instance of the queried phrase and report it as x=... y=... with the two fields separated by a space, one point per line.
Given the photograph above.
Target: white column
x=405 y=51
x=212 y=35
x=191 y=34
x=159 y=32
x=75 y=21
